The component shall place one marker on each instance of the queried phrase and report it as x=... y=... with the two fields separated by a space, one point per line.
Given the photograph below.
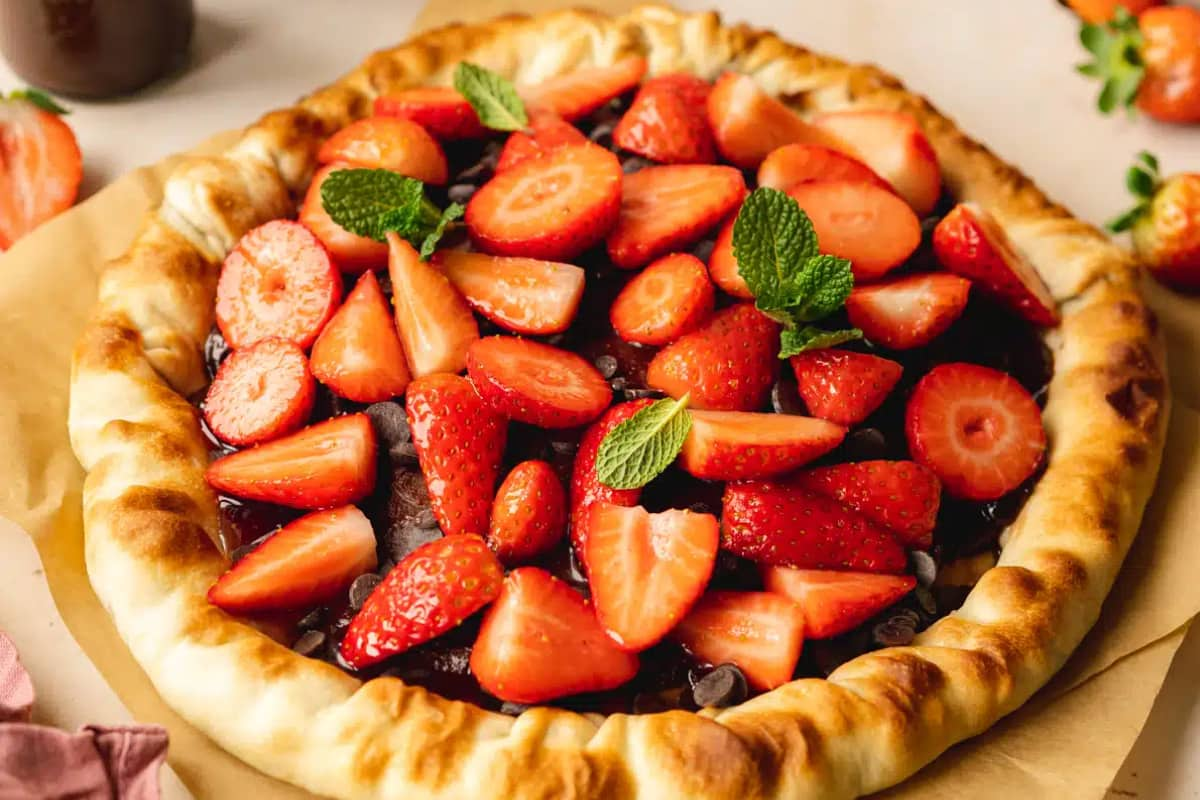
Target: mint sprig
x=40 y=99
x=637 y=450
x=793 y=342
x=453 y=211
x=1116 y=49
x=493 y=97
x=371 y=202
x=1143 y=180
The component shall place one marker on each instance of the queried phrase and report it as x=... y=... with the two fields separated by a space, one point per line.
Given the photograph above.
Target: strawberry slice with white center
x=836 y=602
x=40 y=168
x=901 y=495
x=391 y=143
x=793 y=164
x=667 y=299
x=578 y=93
x=748 y=123
x=260 y=392
x=435 y=323
x=908 y=312
x=843 y=386
x=351 y=252
x=440 y=110
x=523 y=295
x=723 y=267
x=728 y=445
x=648 y=569
x=546 y=132
x=977 y=428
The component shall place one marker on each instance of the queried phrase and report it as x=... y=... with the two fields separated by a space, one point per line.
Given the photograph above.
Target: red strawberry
x=836 y=602
x=900 y=495
x=1101 y=11
x=432 y=590
x=460 y=443
x=434 y=321
x=793 y=164
x=669 y=298
x=727 y=445
x=537 y=384
x=1166 y=235
x=578 y=93
x=842 y=386
x=554 y=206
x=522 y=295
x=723 y=267
x=40 y=168
x=779 y=523
x=670 y=208
x=260 y=392
x=351 y=252
x=728 y=364
x=977 y=428
x=279 y=282
x=908 y=312
x=391 y=143
x=438 y=109
x=546 y=132
x=649 y=569
x=760 y=632
x=540 y=641
x=968 y=241
x=529 y=514
x=748 y=123
x=667 y=121
x=358 y=355
x=324 y=465
x=307 y=562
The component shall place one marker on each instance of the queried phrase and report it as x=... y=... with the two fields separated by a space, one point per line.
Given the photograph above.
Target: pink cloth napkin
x=96 y=763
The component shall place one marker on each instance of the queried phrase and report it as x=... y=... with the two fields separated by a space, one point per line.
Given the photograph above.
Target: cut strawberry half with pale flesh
x=728 y=445
x=843 y=386
x=977 y=428
x=762 y=633
x=307 y=562
x=529 y=514
x=40 y=168
x=723 y=266
x=794 y=164
x=441 y=110
x=546 y=132
x=400 y=145
x=523 y=295
x=580 y=92
x=667 y=121
x=435 y=323
x=260 y=392
x=667 y=299
x=328 y=464
x=968 y=241
x=277 y=283
x=836 y=602
x=903 y=496
x=351 y=252
x=748 y=123
x=648 y=569
x=908 y=312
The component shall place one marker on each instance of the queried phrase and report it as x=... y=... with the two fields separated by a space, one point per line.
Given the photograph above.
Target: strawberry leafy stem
x=1116 y=49
x=1142 y=179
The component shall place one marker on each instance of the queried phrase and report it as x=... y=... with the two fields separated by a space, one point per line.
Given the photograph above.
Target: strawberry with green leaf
x=40 y=164
x=1165 y=222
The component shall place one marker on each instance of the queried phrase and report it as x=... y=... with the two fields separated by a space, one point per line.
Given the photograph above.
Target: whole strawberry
x=1165 y=223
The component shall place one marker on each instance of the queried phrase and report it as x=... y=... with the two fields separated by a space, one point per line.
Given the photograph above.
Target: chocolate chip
x=408 y=497
x=403 y=454
x=513 y=709
x=923 y=566
x=400 y=542
x=312 y=619
x=390 y=423
x=309 y=642
x=701 y=508
x=606 y=365
x=865 y=444
x=215 y=350
x=565 y=447
x=724 y=686
x=898 y=631
x=241 y=552
x=618 y=384
x=926 y=601
x=640 y=394
x=703 y=249
x=461 y=192
x=785 y=398
x=477 y=173
x=361 y=589
x=631 y=164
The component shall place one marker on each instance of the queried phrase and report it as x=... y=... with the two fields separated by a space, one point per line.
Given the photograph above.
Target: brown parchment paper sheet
x=1068 y=742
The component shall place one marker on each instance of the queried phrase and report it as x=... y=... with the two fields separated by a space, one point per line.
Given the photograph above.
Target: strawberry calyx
x=1116 y=48
x=1143 y=181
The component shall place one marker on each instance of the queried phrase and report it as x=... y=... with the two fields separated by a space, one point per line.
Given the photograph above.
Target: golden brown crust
x=150 y=519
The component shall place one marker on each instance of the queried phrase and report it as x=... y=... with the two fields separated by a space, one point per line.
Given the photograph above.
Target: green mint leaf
x=772 y=239
x=824 y=283
x=793 y=342
x=40 y=99
x=430 y=243
x=494 y=98
x=1139 y=182
x=371 y=202
x=641 y=447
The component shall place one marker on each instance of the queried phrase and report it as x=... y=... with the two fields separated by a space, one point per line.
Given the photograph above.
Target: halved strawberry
x=529 y=514
x=537 y=384
x=778 y=523
x=260 y=392
x=434 y=321
x=432 y=590
x=540 y=640
x=872 y=227
x=727 y=364
x=666 y=300
x=554 y=206
x=391 y=143
x=307 y=562
x=748 y=123
x=667 y=121
x=580 y=92
x=968 y=241
x=460 y=443
x=40 y=168
x=760 y=632
x=279 y=282
x=358 y=355
x=723 y=267
x=836 y=602
x=441 y=110
x=328 y=464
x=546 y=132
x=842 y=386
x=727 y=445
x=648 y=569
x=351 y=252
x=892 y=144
x=671 y=208
x=977 y=428
x=793 y=164
x=908 y=312
x=901 y=495
x=523 y=295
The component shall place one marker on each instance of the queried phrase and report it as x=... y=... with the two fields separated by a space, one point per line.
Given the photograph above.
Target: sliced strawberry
x=901 y=495
x=723 y=267
x=908 y=312
x=552 y=207
x=324 y=465
x=836 y=602
x=540 y=641
x=727 y=445
x=977 y=428
x=358 y=355
x=546 y=132
x=432 y=590
x=748 y=123
x=279 y=282
x=779 y=523
x=793 y=164
x=40 y=168
x=306 y=563
x=391 y=143
x=578 y=93
x=434 y=321
x=667 y=121
x=667 y=299
x=529 y=514
x=522 y=295
x=872 y=227
x=760 y=632
x=892 y=144
x=537 y=384
x=460 y=443
x=438 y=109
x=842 y=386
x=727 y=364
x=260 y=392
x=968 y=241
x=671 y=208
x=649 y=569
x=351 y=252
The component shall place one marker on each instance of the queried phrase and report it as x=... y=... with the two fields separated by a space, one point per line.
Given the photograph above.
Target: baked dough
x=151 y=520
